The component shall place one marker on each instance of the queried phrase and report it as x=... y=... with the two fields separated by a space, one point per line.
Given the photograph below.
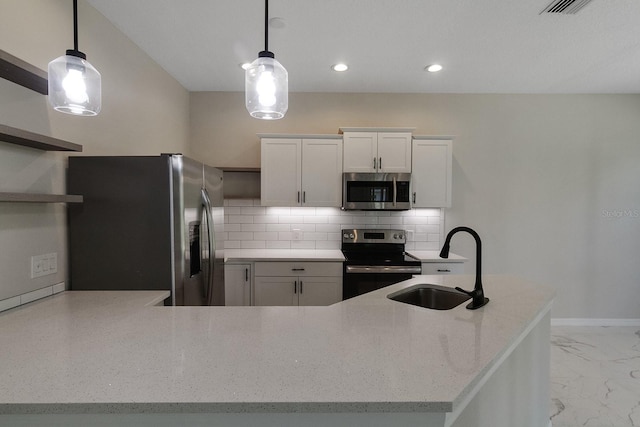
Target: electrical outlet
x=297 y=234
x=43 y=265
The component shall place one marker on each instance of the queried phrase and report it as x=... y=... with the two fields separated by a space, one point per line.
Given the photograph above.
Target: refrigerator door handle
x=208 y=287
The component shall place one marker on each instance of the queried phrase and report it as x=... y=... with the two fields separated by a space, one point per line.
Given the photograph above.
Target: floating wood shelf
x=39 y=198
x=34 y=140
x=22 y=73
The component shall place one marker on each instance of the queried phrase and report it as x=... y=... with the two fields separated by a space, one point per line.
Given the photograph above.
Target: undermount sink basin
x=430 y=296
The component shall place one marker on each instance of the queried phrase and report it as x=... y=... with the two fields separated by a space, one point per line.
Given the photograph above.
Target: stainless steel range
x=374 y=259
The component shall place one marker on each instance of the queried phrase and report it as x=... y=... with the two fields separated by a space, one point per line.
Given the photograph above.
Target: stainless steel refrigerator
x=147 y=223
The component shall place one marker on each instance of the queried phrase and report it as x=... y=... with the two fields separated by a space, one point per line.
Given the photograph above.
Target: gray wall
x=551 y=182
x=144 y=111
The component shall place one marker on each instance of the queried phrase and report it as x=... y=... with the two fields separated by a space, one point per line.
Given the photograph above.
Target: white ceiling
x=485 y=46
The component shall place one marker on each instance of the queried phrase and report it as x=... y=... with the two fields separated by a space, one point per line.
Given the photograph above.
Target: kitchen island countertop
x=109 y=353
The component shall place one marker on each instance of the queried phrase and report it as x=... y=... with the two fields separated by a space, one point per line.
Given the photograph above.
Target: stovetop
x=365 y=258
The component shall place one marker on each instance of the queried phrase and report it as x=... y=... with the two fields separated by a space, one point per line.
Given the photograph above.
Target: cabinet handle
x=300 y=286
x=297 y=269
x=380 y=164
x=414 y=197
x=304 y=197
x=298 y=197
x=246 y=274
x=374 y=163
x=295 y=287
x=444 y=270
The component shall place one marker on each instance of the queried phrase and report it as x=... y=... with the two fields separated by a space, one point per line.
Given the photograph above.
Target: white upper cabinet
x=388 y=152
x=301 y=171
x=431 y=173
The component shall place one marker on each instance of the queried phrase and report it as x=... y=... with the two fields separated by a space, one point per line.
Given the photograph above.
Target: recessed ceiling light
x=340 y=67
x=433 y=68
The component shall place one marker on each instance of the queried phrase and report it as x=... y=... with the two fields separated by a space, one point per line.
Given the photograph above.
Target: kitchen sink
x=430 y=296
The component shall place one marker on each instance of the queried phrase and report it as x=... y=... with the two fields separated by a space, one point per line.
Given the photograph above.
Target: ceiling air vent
x=565 y=6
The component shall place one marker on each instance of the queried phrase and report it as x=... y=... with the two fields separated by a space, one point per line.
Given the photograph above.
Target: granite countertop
x=109 y=352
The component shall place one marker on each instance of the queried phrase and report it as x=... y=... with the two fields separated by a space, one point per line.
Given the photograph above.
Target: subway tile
x=266 y=219
x=395 y=220
x=232 y=244
x=427 y=212
x=314 y=236
x=422 y=228
x=270 y=235
x=365 y=220
x=334 y=236
x=328 y=244
x=328 y=211
x=303 y=244
x=427 y=246
x=279 y=244
x=232 y=211
x=303 y=227
x=232 y=227
x=433 y=237
x=316 y=219
x=253 y=210
x=240 y=202
x=285 y=235
x=240 y=235
x=253 y=227
x=339 y=220
x=278 y=211
x=291 y=219
x=278 y=227
x=240 y=219
x=303 y=211
x=254 y=244
x=434 y=220
x=419 y=237
x=327 y=228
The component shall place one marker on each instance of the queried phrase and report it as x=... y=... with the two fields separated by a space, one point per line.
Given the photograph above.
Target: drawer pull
x=297 y=269
x=444 y=270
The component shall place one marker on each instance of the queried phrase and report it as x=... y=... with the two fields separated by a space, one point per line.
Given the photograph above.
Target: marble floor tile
x=595 y=376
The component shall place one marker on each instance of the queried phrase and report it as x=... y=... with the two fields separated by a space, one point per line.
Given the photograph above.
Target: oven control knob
x=345 y=235
x=352 y=236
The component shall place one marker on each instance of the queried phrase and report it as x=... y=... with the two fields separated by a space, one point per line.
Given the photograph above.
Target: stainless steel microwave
x=376 y=191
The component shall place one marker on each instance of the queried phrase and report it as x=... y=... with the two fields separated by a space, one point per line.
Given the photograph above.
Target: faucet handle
x=470 y=293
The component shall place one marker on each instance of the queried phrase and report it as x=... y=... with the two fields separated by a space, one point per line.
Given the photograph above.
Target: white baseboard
x=594 y=322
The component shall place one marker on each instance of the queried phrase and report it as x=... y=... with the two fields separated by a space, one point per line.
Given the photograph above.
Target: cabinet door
x=275 y=291
x=394 y=152
x=320 y=290
x=280 y=180
x=237 y=284
x=321 y=172
x=431 y=175
x=360 y=151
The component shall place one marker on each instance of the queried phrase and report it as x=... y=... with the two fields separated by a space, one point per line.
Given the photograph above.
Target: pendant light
x=74 y=84
x=266 y=82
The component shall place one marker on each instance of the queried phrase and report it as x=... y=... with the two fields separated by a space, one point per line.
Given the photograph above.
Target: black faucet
x=477 y=293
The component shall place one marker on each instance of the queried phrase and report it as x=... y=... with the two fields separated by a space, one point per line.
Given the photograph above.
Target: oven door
x=360 y=279
x=376 y=191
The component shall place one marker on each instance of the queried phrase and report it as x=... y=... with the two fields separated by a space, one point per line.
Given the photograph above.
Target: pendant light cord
x=75 y=25
x=266 y=25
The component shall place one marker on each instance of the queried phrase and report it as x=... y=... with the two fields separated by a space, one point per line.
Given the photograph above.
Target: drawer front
x=442 y=268
x=305 y=268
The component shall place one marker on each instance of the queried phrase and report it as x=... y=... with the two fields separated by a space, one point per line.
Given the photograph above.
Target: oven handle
x=410 y=269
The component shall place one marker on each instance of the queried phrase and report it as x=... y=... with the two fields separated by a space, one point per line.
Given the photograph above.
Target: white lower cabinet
x=237 y=284
x=442 y=268
x=302 y=283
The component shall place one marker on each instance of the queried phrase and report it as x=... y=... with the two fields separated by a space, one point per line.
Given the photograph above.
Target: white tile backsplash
x=249 y=225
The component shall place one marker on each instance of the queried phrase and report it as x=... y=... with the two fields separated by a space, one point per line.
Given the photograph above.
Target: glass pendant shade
x=74 y=86
x=266 y=88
